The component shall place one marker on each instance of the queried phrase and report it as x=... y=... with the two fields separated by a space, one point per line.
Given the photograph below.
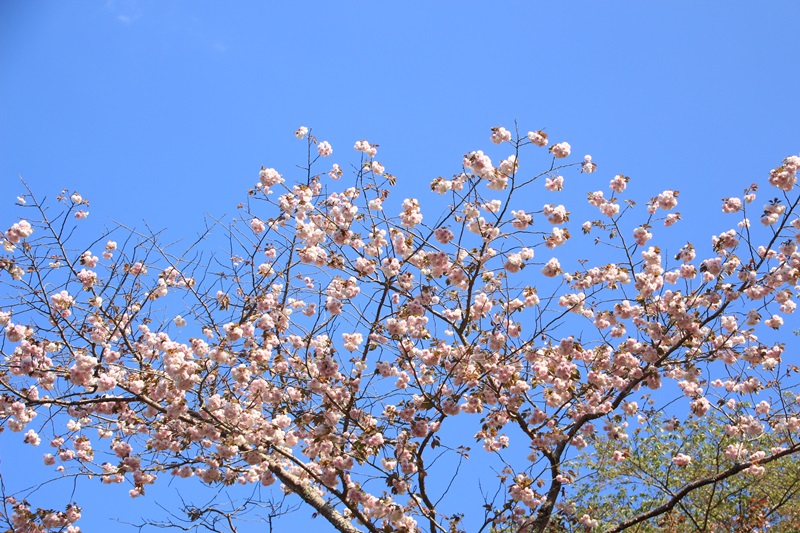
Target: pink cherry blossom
x=539 y=138
x=324 y=149
x=257 y=225
x=560 y=150
x=552 y=268
x=500 y=135
x=681 y=460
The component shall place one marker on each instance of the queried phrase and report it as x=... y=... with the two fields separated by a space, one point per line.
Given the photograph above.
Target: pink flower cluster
x=18 y=231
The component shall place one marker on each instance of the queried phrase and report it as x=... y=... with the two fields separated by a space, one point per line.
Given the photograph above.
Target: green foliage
x=646 y=478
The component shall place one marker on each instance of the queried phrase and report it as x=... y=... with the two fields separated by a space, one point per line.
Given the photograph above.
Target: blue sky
x=185 y=100
x=164 y=112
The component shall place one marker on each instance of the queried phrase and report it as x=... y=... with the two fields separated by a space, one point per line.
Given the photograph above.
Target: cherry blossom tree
x=358 y=353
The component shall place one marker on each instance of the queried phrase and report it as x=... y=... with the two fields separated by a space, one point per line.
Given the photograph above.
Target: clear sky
x=165 y=111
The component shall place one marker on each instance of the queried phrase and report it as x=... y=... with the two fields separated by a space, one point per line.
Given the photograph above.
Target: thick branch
x=668 y=506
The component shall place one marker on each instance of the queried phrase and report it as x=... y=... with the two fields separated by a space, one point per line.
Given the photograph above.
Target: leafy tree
x=350 y=358
x=640 y=479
